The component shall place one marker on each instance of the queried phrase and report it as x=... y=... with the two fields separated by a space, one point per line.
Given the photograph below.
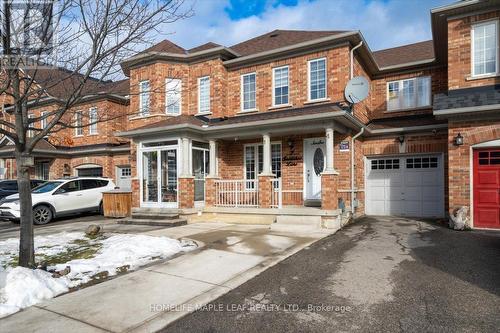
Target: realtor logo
x=28 y=32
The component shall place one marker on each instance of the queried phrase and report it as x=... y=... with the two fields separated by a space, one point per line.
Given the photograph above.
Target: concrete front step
x=153 y=222
x=154 y=216
x=298 y=219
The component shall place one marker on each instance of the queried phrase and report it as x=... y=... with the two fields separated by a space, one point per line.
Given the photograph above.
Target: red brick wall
x=474 y=132
x=459 y=51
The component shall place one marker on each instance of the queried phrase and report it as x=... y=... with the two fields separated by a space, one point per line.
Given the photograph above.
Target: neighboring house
x=265 y=124
x=85 y=151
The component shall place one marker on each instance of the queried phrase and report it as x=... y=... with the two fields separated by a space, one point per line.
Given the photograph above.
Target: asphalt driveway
x=379 y=274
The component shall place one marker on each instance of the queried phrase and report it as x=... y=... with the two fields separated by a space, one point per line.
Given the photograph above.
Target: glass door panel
x=168 y=164
x=199 y=174
x=150 y=176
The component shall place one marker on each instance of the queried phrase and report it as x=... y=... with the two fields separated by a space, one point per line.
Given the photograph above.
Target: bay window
x=409 y=93
x=93 y=121
x=78 y=124
x=204 y=95
x=144 y=98
x=484 y=38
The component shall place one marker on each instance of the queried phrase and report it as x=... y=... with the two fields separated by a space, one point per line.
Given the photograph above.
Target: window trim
x=256 y=145
x=497 y=53
x=242 y=101
x=274 y=86
x=141 y=110
x=209 y=95
x=30 y=133
x=93 y=127
x=309 y=100
x=166 y=95
x=78 y=124
x=400 y=87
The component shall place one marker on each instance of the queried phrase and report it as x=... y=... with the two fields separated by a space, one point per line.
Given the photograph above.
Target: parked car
x=9 y=186
x=57 y=198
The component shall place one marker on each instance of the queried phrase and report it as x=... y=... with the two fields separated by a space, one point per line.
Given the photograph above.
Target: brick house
x=263 y=126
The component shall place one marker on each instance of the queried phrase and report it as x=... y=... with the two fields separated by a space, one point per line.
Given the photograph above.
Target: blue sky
x=384 y=23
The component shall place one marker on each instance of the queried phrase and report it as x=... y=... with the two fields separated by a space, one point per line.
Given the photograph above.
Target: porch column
x=265 y=186
x=329 y=177
x=213 y=172
x=266 y=162
x=186 y=179
x=329 y=150
x=213 y=175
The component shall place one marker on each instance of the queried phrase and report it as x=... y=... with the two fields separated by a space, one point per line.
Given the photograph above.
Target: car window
x=35 y=183
x=102 y=182
x=88 y=184
x=46 y=187
x=71 y=186
x=9 y=185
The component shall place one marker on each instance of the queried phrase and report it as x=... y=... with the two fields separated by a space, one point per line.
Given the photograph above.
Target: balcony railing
x=276 y=196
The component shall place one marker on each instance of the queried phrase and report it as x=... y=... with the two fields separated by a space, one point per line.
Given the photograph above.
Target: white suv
x=57 y=198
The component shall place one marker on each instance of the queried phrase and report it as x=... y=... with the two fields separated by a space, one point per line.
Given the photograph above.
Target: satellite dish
x=357 y=89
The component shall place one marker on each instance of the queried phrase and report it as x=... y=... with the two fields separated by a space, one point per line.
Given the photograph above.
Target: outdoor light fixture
x=290 y=142
x=401 y=139
x=458 y=140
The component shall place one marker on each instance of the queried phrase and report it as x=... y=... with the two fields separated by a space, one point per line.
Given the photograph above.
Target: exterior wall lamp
x=458 y=140
x=401 y=139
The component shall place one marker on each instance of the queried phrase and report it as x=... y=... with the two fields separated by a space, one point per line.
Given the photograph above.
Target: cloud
x=383 y=23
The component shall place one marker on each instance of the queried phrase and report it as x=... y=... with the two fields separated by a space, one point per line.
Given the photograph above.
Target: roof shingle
x=404 y=54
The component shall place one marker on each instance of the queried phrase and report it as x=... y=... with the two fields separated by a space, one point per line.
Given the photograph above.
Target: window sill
x=203 y=114
x=480 y=77
x=78 y=136
x=93 y=134
x=409 y=109
x=172 y=114
x=317 y=101
x=283 y=106
x=247 y=111
x=143 y=116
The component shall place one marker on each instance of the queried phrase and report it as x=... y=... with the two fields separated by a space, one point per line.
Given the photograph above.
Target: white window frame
x=309 y=99
x=400 y=89
x=287 y=84
x=92 y=115
x=256 y=147
x=497 y=56
x=78 y=123
x=142 y=111
x=178 y=91
x=243 y=93
x=199 y=95
x=30 y=133
x=43 y=121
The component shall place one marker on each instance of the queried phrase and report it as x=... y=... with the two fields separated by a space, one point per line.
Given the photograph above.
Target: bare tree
x=88 y=38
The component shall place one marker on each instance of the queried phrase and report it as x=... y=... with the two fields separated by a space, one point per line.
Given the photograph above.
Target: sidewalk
x=151 y=298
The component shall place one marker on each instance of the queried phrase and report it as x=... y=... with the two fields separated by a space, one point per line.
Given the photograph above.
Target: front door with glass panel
x=159 y=177
x=200 y=170
x=314 y=165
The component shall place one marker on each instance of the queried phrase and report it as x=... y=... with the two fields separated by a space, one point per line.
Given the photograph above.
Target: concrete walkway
x=150 y=298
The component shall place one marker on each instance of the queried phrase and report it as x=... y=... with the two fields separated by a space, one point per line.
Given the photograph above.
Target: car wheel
x=42 y=215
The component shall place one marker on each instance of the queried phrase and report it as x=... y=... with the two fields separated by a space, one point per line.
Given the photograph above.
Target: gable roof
x=203 y=47
x=277 y=39
x=165 y=46
x=405 y=54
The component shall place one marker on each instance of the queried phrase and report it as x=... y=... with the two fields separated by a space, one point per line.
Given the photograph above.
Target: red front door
x=487 y=188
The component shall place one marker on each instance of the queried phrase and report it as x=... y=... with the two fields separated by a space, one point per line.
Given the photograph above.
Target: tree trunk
x=26 y=243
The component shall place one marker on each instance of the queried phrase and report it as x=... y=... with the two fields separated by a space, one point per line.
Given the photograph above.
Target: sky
x=383 y=23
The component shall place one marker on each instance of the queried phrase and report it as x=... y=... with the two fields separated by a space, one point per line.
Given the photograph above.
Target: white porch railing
x=236 y=193
x=276 y=195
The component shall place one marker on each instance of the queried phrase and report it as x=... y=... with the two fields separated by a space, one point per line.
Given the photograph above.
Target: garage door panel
x=488 y=178
x=489 y=217
x=411 y=188
x=488 y=197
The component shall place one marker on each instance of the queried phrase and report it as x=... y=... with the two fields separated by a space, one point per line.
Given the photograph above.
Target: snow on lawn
x=21 y=287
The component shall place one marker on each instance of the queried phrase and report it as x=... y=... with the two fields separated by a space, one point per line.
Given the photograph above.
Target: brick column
x=329 y=186
x=265 y=191
x=186 y=192
x=136 y=192
x=210 y=191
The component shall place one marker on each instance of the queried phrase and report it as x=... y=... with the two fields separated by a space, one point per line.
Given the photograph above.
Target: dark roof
x=277 y=39
x=405 y=54
x=404 y=121
x=470 y=97
x=165 y=46
x=203 y=47
x=61 y=83
x=193 y=120
x=40 y=145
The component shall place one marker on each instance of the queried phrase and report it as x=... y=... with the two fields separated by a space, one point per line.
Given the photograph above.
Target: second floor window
x=280 y=88
x=173 y=96
x=248 y=92
x=485 y=48
x=93 y=121
x=317 y=79
x=408 y=94
x=43 y=120
x=204 y=94
x=30 y=133
x=144 y=98
x=78 y=124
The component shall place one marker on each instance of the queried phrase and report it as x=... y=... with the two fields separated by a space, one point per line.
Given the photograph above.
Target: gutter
x=406 y=129
x=353 y=170
x=77 y=152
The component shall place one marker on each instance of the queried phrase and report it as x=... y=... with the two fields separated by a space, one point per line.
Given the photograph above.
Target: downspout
x=353 y=169
x=353 y=150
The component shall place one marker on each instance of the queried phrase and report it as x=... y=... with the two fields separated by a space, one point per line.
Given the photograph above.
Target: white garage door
x=405 y=186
